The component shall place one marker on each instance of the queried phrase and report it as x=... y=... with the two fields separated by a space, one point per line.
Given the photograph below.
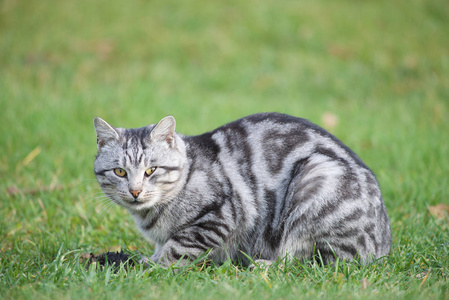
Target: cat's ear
x=165 y=131
x=105 y=132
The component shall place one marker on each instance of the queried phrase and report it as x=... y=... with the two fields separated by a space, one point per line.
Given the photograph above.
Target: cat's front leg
x=185 y=246
x=157 y=253
x=173 y=252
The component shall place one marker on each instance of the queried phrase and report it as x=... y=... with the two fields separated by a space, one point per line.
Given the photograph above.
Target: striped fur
x=268 y=185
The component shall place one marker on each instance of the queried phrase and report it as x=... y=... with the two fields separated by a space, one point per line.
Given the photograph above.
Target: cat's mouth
x=132 y=204
x=135 y=202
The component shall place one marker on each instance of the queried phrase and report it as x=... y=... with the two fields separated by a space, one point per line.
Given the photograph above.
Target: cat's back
x=261 y=153
x=275 y=137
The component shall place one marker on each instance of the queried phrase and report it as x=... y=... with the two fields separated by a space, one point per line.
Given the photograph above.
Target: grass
x=381 y=67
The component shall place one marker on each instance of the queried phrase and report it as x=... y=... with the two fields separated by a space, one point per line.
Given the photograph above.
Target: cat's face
x=139 y=168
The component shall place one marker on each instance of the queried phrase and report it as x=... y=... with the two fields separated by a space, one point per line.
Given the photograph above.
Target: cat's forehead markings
x=131 y=145
x=140 y=157
x=134 y=154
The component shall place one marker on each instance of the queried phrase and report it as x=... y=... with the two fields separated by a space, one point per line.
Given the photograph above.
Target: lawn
x=379 y=70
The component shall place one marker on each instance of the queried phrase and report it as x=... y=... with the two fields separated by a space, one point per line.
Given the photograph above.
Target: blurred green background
x=379 y=68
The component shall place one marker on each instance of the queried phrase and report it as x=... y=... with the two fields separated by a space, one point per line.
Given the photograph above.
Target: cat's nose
x=135 y=193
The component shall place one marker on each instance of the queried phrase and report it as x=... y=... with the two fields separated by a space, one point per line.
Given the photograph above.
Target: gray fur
x=268 y=185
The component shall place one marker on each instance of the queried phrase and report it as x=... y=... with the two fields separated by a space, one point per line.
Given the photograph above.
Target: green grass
x=381 y=67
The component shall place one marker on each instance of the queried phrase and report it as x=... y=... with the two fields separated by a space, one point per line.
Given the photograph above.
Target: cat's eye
x=150 y=171
x=120 y=172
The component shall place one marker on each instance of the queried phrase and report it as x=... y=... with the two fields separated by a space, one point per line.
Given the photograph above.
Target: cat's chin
x=137 y=205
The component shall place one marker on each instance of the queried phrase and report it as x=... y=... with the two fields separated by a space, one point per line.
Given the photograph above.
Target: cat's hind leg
x=325 y=212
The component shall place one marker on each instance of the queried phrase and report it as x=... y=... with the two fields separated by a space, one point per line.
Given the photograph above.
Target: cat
x=265 y=186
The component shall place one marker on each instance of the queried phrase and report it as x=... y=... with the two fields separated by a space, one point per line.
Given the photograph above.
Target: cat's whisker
x=97 y=201
x=94 y=195
x=106 y=209
x=98 y=196
x=99 y=207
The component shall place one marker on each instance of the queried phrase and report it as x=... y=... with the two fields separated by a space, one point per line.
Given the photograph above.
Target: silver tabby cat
x=268 y=185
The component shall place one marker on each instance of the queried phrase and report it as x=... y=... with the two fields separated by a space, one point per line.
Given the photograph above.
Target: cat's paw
x=144 y=260
x=261 y=263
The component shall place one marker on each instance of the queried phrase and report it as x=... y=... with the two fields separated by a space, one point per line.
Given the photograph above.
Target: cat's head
x=139 y=168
